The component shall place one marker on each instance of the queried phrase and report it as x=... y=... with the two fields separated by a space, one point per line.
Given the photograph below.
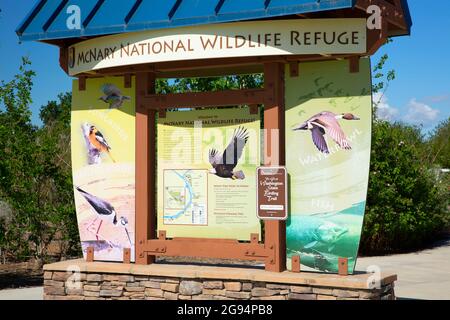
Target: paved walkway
x=22 y=294
x=421 y=275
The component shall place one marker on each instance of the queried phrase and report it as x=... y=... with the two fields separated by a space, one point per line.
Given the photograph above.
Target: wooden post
x=90 y=254
x=343 y=266
x=353 y=64
x=275 y=231
x=294 y=69
x=82 y=83
x=126 y=255
x=127 y=80
x=145 y=168
x=295 y=264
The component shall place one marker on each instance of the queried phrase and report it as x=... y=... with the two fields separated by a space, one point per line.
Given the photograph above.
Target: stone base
x=81 y=280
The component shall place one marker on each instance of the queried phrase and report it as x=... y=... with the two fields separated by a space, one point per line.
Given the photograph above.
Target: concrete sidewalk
x=22 y=294
x=421 y=275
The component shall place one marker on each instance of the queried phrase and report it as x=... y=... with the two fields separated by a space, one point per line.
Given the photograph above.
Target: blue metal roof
x=47 y=20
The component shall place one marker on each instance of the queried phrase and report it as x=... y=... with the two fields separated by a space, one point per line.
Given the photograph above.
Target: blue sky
x=419 y=95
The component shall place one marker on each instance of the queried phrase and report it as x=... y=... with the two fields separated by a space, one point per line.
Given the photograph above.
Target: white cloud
x=420 y=113
x=384 y=110
x=438 y=99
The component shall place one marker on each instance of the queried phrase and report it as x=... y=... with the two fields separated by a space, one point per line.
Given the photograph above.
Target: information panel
x=272 y=193
x=103 y=164
x=328 y=135
x=207 y=162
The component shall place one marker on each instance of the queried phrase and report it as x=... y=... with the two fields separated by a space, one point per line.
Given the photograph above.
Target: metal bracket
x=272 y=253
x=256 y=252
x=160 y=249
x=259 y=251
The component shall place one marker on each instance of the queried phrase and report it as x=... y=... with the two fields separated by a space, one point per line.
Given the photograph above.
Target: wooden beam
x=293 y=69
x=353 y=63
x=81 y=83
x=209 y=248
x=377 y=38
x=205 y=99
x=127 y=80
x=90 y=254
x=212 y=67
x=295 y=261
x=254 y=109
x=391 y=12
x=275 y=231
x=126 y=255
x=64 y=59
x=343 y=266
x=145 y=168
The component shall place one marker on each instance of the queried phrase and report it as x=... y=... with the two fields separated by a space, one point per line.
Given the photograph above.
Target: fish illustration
x=312 y=232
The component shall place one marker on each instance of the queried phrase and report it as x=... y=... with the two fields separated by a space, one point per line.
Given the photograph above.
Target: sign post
x=272 y=203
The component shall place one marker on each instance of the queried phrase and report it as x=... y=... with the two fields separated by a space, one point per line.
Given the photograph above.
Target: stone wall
x=104 y=286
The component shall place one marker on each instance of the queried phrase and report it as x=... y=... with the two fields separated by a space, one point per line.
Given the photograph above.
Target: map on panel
x=185 y=197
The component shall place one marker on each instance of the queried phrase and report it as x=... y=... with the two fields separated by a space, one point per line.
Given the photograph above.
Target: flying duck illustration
x=225 y=163
x=326 y=123
x=113 y=96
x=98 y=141
x=105 y=212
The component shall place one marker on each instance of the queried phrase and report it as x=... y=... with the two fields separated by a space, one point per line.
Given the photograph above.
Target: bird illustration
x=113 y=96
x=326 y=123
x=225 y=163
x=105 y=212
x=98 y=141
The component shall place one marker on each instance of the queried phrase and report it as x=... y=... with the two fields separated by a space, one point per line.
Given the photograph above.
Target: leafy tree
x=54 y=140
x=35 y=179
x=439 y=145
x=406 y=206
x=210 y=84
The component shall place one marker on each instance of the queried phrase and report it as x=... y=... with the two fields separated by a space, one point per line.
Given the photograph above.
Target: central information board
x=207 y=162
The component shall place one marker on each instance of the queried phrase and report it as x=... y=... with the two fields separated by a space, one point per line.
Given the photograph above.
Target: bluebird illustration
x=113 y=96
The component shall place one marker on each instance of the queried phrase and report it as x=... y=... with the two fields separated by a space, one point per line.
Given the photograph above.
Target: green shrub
x=407 y=207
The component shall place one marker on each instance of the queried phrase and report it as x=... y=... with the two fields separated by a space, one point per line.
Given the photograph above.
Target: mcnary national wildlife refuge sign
x=274 y=172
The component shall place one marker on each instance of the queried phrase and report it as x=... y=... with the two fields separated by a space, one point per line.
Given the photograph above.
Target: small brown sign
x=272 y=193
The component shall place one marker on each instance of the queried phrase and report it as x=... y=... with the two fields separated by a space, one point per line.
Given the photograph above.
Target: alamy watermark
x=73 y=21
x=374 y=21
